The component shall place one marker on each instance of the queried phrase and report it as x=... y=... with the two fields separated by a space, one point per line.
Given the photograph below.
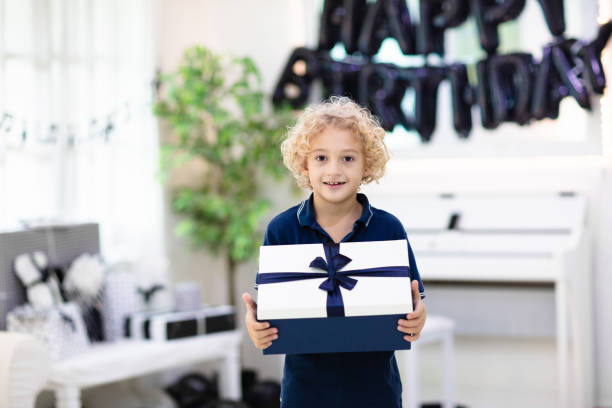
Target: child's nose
x=334 y=166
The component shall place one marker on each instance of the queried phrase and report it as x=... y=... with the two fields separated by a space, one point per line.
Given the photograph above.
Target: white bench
x=107 y=363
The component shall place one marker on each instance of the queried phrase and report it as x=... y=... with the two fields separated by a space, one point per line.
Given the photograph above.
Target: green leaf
x=185 y=227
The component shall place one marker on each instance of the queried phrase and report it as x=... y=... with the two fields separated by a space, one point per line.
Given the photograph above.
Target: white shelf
x=106 y=363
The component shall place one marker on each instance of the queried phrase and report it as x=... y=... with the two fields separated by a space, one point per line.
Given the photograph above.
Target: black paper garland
x=510 y=87
x=15 y=130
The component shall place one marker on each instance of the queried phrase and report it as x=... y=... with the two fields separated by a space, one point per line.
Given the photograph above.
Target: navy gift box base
x=337 y=334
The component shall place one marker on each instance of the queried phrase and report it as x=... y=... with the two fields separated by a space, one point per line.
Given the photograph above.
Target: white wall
x=266 y=31
x=269 y=30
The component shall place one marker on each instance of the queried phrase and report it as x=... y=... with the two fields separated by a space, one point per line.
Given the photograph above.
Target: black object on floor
x=194 y=391
x=438 y=405
x=248 y=379
x=264 y=394
x=225 y=404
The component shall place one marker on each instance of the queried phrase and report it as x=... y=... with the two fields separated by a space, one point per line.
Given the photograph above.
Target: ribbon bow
x=335 y=278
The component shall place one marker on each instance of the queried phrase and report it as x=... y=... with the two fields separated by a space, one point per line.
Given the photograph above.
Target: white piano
x=521 y=262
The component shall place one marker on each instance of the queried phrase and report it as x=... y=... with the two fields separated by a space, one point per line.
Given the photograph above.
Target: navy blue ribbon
x=335 y=277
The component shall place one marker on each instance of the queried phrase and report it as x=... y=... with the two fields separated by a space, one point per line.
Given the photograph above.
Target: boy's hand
x=414 y=322
x=261 y=333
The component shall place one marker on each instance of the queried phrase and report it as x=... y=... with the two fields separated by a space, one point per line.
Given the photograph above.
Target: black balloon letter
x=511 y=83
x=436 y=17
x=489 y=14
x=462 y=96
x=382 y=91
x=426 y=81
x=294 y=83
x=553 y=14
x=386 y=18
x=590 y=54
x=341 y=21
x=339 y=77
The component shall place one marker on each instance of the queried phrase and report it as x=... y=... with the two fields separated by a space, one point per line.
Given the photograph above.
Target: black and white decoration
x=119 y=300
x=42 y=285
x=60 y=327
x=45 y=251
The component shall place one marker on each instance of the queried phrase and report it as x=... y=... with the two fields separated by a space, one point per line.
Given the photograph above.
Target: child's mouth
x=334 y=184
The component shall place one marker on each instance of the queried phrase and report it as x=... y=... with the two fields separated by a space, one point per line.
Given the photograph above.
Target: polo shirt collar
x=306 y=214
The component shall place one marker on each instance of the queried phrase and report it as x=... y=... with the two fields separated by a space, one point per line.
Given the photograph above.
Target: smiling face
x=335 y=165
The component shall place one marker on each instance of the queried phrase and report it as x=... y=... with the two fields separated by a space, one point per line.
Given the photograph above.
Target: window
x=77 y=137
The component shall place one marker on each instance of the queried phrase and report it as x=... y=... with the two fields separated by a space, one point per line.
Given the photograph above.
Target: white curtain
x=77 y=139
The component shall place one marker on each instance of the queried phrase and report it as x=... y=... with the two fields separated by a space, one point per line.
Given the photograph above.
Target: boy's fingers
x=262 y=334
x=269 y=338
x=408 y=330
x=249 y=302
x=416 y=296
x=417 y=314
x=260 y=325
x=411 y=324
x=417 y=302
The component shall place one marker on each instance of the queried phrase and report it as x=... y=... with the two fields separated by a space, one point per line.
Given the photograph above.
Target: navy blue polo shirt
x=340 y=379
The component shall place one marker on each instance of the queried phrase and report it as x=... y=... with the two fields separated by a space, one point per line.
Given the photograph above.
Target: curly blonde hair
x=342 y=113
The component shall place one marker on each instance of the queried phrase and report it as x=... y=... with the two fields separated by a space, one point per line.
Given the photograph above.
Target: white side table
x=106 y=363
x=436 y=329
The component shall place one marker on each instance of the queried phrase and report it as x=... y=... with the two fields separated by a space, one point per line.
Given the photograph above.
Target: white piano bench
x=437 y=329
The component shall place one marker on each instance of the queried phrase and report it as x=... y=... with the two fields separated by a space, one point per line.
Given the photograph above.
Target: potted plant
x=220 y=117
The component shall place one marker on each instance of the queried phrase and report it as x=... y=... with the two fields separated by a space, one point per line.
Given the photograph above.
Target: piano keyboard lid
x=529 y=224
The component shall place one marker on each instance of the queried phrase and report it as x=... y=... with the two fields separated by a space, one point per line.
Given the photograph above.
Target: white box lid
x=304 y=298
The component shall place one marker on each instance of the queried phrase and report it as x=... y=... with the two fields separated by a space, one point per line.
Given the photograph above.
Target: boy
x=334 y=148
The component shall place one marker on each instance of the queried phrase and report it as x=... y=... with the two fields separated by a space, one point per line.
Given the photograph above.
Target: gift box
x=187 y=296
x=60 y=327
x=137 y=325
x=61 y=244
x=165 y=325
x=119 y=300
x=326 y=298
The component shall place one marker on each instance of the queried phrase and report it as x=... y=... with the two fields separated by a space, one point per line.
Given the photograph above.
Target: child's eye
x=348 y=158
x=320 y=157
